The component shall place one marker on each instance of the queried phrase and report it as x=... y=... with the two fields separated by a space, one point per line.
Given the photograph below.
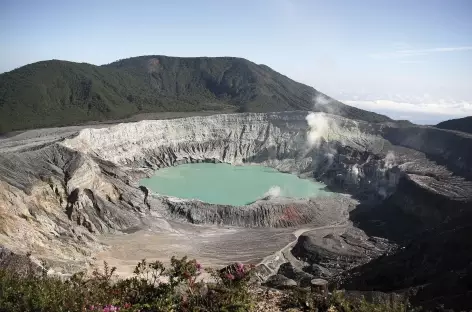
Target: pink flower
x=111 y=308
x=230 y=276
x=92 y=307
x=198 y=266
x=240 y=267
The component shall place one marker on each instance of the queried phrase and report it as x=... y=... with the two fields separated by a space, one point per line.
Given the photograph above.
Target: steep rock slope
x=437 y=264
x=52 y=93
x=460 y=124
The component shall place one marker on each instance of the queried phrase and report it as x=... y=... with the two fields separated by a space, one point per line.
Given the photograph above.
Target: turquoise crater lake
x=227 y=184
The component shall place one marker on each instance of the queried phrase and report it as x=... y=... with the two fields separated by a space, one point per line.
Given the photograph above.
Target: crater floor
x=213 y=246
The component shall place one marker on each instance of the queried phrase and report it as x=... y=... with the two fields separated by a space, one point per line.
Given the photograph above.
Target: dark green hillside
x=54 y=93
x=460 y=124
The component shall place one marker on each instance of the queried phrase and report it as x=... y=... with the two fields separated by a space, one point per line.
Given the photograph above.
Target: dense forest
x=57 y=93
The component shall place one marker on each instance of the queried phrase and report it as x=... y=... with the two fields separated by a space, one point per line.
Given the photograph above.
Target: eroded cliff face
x=366 y=160
x=349 y=154
x=59 y=192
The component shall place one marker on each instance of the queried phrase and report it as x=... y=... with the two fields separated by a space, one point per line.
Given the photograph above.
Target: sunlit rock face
x=67 y=186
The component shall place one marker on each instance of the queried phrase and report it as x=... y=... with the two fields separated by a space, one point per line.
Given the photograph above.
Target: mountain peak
x=56 y=92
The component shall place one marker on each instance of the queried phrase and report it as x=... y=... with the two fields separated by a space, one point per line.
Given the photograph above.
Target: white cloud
x=417 y=52
x=411 y=62
x=442 y=107
x=421 y=110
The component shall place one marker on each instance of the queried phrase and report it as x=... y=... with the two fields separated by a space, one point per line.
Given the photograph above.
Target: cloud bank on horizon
x=451 y=99
x=417 y=52
x=421 y=110
x=390 y=48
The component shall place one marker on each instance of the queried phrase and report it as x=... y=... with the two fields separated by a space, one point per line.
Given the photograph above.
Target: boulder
x=280 y=282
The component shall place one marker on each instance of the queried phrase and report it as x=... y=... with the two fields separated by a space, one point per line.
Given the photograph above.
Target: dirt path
x=273 y=261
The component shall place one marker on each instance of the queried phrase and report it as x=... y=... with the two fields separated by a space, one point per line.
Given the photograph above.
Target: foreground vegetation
x=156 y=288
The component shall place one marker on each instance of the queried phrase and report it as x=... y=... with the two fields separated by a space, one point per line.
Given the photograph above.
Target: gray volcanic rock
x=302 y=278
x=331 y=251
x=17 y=263
x=279 y=212
x=280 y=282
x=436 y=264
x=318 y=271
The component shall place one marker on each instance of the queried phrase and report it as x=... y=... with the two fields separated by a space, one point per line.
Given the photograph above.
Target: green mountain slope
x=56 y=93
x=460 y=124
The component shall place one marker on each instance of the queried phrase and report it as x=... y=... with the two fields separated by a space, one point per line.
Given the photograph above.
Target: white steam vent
x=321 y=100
x=389 y=159
x=274 y=191
x=318 y=125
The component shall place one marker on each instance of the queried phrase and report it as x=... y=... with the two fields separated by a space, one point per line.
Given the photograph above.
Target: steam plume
x=274 y=191
x=321 y=100
x=318 y=128
x=389 y=160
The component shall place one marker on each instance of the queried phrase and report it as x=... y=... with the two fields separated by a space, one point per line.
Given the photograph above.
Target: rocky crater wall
x=69 y=188
x=348 y=152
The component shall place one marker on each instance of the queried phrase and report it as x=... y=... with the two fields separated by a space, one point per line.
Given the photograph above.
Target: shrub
x=153 y=288
x=232 y=290
x=336 y=302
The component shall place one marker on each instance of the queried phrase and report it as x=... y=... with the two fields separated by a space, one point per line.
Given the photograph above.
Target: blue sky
x=409 y=59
